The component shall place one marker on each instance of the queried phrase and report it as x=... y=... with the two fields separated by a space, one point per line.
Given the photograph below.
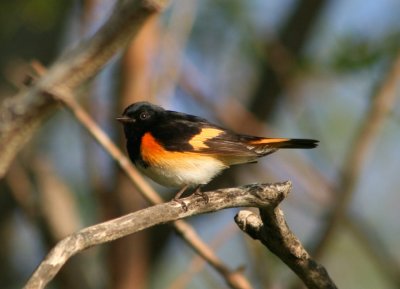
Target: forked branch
x=263 y=196
x=271 y=229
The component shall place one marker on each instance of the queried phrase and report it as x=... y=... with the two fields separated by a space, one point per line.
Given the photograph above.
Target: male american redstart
x=181 y=150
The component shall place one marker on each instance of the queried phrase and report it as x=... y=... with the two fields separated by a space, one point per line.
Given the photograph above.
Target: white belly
x=193 y=171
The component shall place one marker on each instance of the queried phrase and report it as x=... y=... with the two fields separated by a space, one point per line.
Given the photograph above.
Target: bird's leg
x=180 y=192
x=198 y=192
x=178 y=195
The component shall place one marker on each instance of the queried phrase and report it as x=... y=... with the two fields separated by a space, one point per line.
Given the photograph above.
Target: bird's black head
x=138 y=117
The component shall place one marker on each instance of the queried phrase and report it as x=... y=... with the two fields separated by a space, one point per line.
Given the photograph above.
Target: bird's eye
x=144 y=115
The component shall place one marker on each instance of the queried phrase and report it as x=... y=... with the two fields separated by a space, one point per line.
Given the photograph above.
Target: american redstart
x=182 y=150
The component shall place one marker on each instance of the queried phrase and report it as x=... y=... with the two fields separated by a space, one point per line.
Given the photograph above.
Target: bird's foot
x=182 y=203
x=198 y=192
x=178 y=200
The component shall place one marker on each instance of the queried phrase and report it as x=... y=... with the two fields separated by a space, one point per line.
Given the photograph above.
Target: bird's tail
x=264 y=146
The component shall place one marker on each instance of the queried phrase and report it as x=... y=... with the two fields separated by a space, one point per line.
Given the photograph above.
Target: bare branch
x=264 y=195
x=187 y=233
x=22 y=114
x=271 y=229
x=320 y=183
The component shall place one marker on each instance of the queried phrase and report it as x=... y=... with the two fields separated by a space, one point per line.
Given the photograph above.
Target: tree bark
x=258 y=195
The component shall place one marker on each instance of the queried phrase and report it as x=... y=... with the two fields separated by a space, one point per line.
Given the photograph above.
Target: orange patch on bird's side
x=269 y=140
x=153 y=153
x=198 y=141
x=150 y=149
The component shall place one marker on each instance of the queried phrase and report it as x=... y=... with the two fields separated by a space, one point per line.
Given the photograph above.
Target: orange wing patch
x=198 y=141
x=268 y=140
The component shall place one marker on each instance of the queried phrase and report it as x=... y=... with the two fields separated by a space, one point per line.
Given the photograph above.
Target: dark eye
x=144 y=115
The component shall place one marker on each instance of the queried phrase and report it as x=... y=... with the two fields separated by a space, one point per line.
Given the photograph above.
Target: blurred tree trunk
x=7 y=207
x=275 y=67
x=129 y=258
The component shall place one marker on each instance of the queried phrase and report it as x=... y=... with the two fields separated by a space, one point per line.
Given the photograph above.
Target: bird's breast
x=175 y=168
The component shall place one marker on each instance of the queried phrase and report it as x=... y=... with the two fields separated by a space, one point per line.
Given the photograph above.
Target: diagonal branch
x=187 y=233
x=22 y=114
x=380 y=106
x=356 y=226
x=263 y=195
x=271 y=229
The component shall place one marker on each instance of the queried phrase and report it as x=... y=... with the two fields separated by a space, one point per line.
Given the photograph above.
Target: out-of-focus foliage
x=355 y=54
x=30 y=30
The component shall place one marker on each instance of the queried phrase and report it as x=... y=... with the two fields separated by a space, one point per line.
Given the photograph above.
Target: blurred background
x=306 y=69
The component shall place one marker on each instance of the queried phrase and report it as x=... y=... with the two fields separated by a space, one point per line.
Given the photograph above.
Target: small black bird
x=181 y=150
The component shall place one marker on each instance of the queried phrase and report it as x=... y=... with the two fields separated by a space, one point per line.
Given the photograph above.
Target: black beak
x=125 y=119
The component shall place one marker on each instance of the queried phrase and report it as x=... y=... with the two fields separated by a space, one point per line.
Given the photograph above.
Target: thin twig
x=187 y=233
x=183 y=229
x=319 y=181
x=271 y=229
x=263 y=195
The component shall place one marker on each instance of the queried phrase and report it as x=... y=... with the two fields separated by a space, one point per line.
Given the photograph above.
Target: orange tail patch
x=269 y=141
x=285 y=143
